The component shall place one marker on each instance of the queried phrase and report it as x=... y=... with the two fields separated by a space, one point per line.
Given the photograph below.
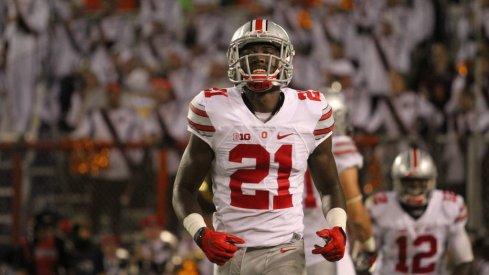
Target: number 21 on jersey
x=260 y=200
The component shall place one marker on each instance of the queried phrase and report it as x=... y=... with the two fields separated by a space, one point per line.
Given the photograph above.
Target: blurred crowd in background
x=412 y=71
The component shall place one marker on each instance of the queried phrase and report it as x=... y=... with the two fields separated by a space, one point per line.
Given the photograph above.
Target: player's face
x=259 y=58
x=415 y=187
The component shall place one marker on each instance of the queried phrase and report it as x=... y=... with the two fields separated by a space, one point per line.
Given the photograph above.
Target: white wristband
x=354 y=199
x=369 y=244
x=193 y=223
x=336 y=217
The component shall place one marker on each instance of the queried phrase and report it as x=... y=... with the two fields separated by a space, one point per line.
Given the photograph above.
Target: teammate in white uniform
x=257 y=140
x=348 y=162
x=416 y=225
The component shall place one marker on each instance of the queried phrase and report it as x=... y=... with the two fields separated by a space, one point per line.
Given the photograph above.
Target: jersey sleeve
x=458 y=241
x=325 y=124
x=198 y=120
x=375 y=204
x=460 y=246
x=345 y=153
x=455 y=211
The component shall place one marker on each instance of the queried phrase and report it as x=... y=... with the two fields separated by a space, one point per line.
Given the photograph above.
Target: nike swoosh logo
x=283 y=250
x=279 y=136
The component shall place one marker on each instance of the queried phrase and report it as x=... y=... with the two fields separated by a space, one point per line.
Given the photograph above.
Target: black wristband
x=198 y=236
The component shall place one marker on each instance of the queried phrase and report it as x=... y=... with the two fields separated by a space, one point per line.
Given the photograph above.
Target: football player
x=348 y=162
x=257 y=140
x=415 y=225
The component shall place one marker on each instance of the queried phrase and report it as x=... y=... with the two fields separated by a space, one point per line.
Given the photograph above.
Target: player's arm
x=459 y=244
x=358 y=218
x=364 y=246
x=196 y=162
x=325 y=177
x=194 y=166
x=461 y=252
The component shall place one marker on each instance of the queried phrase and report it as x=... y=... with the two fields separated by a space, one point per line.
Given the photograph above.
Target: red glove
x=218 y=246
x=334 y=249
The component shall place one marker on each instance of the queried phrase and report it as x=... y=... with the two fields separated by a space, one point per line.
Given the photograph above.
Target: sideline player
x=257 y=140
x=415 y=225
x=348 y=162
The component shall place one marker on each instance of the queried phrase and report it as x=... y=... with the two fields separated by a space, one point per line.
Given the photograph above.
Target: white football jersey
x=258 y=170
x=416 y=246
x=346 y=156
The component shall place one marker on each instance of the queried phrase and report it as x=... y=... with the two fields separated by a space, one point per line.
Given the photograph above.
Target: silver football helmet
x=414 y=176
x=279 y=70
x=336 y=99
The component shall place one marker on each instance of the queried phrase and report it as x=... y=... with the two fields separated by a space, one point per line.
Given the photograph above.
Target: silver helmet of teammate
x=336 y=99
x=414 y=176
x=279 y=70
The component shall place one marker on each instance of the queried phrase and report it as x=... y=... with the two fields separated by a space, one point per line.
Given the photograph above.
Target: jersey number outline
x=260 y=200
x=402 y=266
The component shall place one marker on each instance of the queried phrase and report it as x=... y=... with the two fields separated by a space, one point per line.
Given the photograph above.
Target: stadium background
x=135 y=47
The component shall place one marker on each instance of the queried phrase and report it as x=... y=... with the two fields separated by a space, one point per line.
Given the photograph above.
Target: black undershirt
x=414 y=211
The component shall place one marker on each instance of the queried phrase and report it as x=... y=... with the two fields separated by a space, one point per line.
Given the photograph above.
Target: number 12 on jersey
x=260 y=200
x=428 y=241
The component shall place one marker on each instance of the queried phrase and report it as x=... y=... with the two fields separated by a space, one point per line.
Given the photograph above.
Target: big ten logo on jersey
x=309 y=94
x=241 y=136
x=247 y=136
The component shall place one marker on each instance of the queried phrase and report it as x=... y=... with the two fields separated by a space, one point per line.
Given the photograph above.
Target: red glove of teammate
x=334 y=249
x=218 y=246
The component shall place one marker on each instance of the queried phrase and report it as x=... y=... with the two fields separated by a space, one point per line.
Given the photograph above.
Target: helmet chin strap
x=263 y=83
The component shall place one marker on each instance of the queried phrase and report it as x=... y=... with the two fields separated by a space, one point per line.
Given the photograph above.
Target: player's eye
x=271 y=51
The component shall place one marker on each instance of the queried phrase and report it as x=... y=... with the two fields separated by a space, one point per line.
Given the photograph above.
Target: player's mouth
x=259 y=71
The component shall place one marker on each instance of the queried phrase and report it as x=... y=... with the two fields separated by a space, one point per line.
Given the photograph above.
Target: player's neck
x=414 y=211
x=264 y=102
